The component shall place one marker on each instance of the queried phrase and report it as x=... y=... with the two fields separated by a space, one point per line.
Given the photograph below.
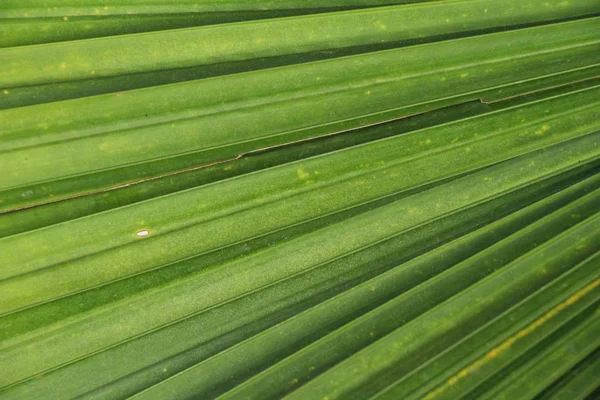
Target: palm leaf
x=368 y=199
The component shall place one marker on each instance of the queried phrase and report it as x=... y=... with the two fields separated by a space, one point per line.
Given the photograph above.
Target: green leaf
x=579 y=383
x=293 y=193
x=235 y=42
x=125 y=142
x=223 y=368
x=492 y=347
x=65 y=209
x=71 y=339
x=552 y=358
x=49 y=8
x=35 y=22
x=201 y=335
x=115 y=63
x=368 y=370
x=392 y=201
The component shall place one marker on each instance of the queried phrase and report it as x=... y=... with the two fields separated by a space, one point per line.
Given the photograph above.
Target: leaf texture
x=34 y=22
x=64 y=70
x=365 y=200
x=103 y=147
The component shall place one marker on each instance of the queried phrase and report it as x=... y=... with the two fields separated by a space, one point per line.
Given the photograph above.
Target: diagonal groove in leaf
x=245 y=163
x=176 y=293
x=240 y=358
x=33 y=25
x=365 y=158
x=38 y=8
x=172 y=107
x=578 y=383
x=516 y=199
x=570 y=345
x=220 y=312
x=362 y=199
x=45 y=93
x=366 y=329
x=477 y=355
x=439 y=327
x=89 y=151
x=231 y=42
x=69 y=208
x=44 y=276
